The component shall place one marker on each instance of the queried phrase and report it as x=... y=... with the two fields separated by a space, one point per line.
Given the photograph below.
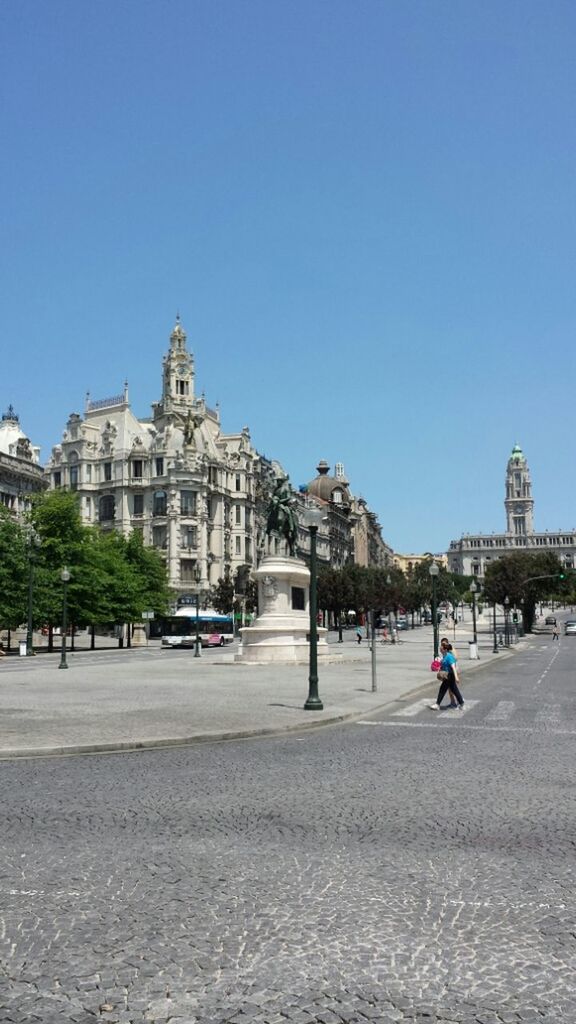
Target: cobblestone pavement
x=414 y=867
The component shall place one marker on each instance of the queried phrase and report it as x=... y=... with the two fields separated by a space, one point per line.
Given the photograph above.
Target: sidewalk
x=126 y=700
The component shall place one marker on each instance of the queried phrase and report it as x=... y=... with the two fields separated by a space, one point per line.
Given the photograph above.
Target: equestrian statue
x=282 y=519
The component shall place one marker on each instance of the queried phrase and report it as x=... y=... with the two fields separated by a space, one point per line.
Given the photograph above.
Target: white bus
x=214 y=630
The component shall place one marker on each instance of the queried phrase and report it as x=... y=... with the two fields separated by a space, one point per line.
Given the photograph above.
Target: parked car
x=570 y=627
x=550 y=620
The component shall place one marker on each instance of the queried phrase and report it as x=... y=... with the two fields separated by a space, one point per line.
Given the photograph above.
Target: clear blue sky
x=363 y=210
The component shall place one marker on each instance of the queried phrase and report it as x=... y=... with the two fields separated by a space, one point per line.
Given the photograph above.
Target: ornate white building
x=198 y=495
x=20 y=470
x=472 y=555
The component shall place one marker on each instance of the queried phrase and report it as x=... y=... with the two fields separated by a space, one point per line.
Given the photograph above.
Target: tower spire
x=519 y=502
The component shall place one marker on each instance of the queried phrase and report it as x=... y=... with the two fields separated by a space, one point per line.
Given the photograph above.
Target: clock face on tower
x=181 y=371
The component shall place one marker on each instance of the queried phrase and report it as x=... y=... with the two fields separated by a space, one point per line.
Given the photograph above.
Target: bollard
x=473 y=650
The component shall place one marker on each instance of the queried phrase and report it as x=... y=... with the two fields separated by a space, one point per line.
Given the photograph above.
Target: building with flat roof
x=472 y=554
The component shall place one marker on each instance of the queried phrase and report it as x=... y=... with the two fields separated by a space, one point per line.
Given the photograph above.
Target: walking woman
x=448 y=676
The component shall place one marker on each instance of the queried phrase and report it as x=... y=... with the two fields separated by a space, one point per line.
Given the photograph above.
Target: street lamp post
x=312 y=519
x=390 y=632
x=197 y=577
x=495 y=647
x=65 y=577
x=32 y=542
x=473 y=590
x=434 y=571
x=506 y=612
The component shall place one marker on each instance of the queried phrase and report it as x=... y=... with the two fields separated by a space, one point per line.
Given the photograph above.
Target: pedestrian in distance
x=444 y=640
x=448 y=677
x=555 y=631
x=359 y=634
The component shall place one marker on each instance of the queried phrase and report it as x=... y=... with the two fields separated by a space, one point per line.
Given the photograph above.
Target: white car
x=570 y=628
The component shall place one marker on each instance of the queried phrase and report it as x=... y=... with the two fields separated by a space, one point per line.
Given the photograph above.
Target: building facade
x=472 y=555
x=354 y=534
x=21 y=474
x=199 y=496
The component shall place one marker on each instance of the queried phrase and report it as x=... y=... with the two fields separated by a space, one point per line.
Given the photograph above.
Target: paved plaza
x=399 y=866
x=112 y=699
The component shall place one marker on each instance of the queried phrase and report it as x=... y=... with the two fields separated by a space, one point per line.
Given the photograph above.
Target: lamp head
x=434 y=569
x=313 y=516
x=65 y=574
x=473 y=587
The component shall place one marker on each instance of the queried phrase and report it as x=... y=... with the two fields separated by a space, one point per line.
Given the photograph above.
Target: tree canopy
x=113 y=579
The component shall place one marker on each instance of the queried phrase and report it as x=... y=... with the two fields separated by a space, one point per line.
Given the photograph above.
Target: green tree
x=525 y=578
x=222 y=596
x=149 y=567
x=14 y=570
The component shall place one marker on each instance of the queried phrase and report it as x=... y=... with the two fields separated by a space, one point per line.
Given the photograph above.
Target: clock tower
x=177 y=374
x=519 y=502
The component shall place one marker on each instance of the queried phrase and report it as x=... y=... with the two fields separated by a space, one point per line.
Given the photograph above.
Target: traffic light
x=561 y=575
x=514 y=616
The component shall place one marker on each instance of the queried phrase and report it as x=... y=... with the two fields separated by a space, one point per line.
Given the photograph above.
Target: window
x=73 y=478
x=160 y=467
x=238 y=545
x=106 y=508
x=160 y=503
x=88 y=470
x=188 y=503
x=136 y=469
x=181 y=387
x=187 y=567
x=238 y=482
x=238 y=511
x=138 y=504
x=160 y=537
x=247 y=518
x=58 y=479
x=188 y=536
x=107 y=470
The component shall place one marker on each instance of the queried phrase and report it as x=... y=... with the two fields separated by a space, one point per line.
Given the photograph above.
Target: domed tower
x=330 y=488
x=519 y=502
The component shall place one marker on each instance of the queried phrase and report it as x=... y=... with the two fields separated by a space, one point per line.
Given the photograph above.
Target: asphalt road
x=416 y=866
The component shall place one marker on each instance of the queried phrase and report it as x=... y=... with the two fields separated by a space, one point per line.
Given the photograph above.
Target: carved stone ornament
x=270 y=586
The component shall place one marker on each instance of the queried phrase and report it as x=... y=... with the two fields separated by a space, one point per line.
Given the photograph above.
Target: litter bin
x=22 y=648
x=473 y=649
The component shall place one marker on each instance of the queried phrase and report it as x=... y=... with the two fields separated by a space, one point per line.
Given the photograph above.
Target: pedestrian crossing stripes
x=549 y=717
x=501 y=712
x=505 y=714
x=414 y=709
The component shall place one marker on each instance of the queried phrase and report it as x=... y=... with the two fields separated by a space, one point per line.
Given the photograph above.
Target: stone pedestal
x=139 y=635
x=280 y=632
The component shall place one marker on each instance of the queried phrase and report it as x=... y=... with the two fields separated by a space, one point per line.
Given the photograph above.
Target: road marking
x=412 y=709
x=501 y=712
x=445 y=722
x=549 y=717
